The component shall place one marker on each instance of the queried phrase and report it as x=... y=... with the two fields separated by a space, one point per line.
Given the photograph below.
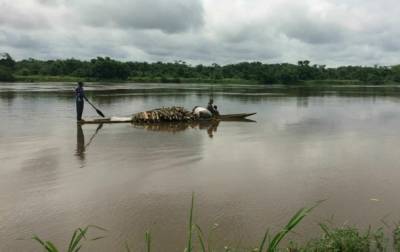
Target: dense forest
x=105 y=68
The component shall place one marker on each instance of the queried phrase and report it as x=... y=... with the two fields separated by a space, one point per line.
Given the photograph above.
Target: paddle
x=97 y=110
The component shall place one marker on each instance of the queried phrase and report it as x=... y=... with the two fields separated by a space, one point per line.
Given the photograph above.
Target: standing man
x=80 y=97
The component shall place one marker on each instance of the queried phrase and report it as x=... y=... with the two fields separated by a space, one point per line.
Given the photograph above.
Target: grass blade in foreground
x=148 y=241
x=189 y=242
x=263 y=241
x=127 y=247
x=46 y=245
x=76 y=241
x=201 y=239
x=294 y=221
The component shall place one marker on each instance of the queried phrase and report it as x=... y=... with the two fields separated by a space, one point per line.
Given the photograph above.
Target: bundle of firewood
x=168 y=114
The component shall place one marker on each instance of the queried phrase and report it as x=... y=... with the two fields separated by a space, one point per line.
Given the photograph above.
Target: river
x=334 y=143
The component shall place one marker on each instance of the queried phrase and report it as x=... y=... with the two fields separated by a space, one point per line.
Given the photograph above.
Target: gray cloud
x=313 y=32
x=50 y=2
x=20 y=41
x=170 y=16
x=204 y=31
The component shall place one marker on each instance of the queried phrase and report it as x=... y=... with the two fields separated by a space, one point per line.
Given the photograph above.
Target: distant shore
x=41 y=78
x=109 y=70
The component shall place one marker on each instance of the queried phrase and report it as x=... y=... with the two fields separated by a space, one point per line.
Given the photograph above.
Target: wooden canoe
x=226 y=117
x=106 y=120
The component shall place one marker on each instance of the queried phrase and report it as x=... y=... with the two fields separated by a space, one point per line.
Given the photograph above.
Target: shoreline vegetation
x=345 y=238
x=42 y=78
x=110 y=70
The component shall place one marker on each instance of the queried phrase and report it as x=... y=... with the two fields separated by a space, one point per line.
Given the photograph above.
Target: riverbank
x=345 y=238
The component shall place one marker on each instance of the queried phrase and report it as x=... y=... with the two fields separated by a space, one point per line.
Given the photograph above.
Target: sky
x=330 y=32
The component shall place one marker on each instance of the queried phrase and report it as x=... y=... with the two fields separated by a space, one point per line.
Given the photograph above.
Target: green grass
x=396 y=237
x=333 y=239
x=346 y=239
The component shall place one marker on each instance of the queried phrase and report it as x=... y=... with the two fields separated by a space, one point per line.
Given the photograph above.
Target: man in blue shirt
x=80 y=97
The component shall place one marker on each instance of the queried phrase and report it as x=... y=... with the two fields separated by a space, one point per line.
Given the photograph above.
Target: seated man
x=212 y=108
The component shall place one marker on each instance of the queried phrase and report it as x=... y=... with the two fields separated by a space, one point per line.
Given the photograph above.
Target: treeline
x=108 y=69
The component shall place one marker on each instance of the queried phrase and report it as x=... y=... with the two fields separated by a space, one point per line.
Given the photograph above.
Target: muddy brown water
x=307 y=144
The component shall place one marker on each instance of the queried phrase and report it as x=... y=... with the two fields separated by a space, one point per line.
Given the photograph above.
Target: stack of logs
x=169 y=114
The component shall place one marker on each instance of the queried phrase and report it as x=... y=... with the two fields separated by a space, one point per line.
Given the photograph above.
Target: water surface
x=307 y=144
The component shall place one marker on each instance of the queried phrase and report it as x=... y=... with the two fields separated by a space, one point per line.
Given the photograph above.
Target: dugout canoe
x=232 y=117
x=114 y=119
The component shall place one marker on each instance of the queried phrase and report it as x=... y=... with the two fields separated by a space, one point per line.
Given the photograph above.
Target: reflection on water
x=81 y=147
x=80 y=143
x=212 y=129
x=210 y=126
x=174 y=127
x=335 y=143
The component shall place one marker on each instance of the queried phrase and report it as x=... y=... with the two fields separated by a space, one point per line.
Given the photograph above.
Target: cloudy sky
x=332 y=32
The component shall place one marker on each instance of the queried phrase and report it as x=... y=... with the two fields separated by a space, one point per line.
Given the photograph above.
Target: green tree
x=7 y=66
x=7 y=61
x=106 y=68
x=396 y=73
